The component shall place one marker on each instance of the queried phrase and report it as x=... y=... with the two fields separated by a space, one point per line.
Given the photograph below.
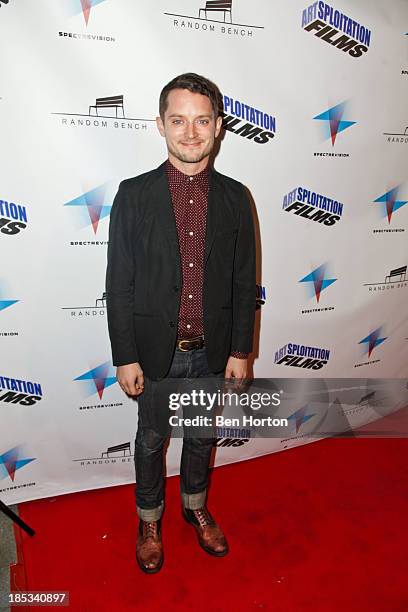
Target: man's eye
x=204 y=121
x=177 y=121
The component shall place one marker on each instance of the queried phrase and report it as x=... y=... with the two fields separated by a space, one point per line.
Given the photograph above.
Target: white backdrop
x=61 y=165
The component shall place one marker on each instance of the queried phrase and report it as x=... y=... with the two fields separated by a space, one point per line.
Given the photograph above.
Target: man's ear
x=218 y=125
x=160 y=125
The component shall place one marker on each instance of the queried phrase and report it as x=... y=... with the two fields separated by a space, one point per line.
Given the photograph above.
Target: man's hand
x=236 y=368
x=130 y=378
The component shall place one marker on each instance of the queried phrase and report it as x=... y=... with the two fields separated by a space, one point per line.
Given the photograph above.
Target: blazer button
x=172 y=324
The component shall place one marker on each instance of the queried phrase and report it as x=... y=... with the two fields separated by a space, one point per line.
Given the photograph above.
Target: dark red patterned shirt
x=189 y=195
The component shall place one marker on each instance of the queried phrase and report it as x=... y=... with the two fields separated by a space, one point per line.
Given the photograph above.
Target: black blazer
x=144 y=277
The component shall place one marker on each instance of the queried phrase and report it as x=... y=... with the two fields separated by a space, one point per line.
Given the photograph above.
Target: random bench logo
x=215 y=16
x=104 y=112
x=394 y=279
x=86 y=312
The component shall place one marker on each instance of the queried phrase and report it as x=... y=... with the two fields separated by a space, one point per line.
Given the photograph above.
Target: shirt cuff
x=239 y=355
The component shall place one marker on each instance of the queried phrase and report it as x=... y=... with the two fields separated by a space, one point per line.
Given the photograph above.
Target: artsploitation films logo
x=370 y=344
x=105 y=112
x=394 y=279
x=247 y=121
x=315 y=283
x=115 y=454
x=397 y=137
x=388 y=204
x=313 y=206
x=13 y=218
x=302 y=356
x=5 y=303
x=336 y=29
x=19 y=391
x=95 y=382
x=215 y=16
x=332 y=123
x=98 y=309
x=11 y=461
x=231 y=437
x=88 y=210
x=83 y=9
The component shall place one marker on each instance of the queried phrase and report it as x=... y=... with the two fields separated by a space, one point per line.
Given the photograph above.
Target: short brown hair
x=196 y=84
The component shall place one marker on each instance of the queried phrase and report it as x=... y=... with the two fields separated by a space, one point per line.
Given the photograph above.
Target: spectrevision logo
x=17 y=391
x=312 y=206
x=90 y=208
x=11 y=461
x=247 y=121
x=95 y=382
x=336 y=29
x=76 y=7
x=302 y=356
x=371 y=342
x=390 y=203
x=317 y=281
x=13 y=218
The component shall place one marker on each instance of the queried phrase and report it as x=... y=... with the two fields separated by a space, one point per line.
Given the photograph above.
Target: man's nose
x=191 y=129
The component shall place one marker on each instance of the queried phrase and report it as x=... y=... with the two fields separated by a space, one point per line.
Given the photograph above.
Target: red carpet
x=322 y=527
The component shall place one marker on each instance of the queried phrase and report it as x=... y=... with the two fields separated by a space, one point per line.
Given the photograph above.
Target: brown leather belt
x=189 y=344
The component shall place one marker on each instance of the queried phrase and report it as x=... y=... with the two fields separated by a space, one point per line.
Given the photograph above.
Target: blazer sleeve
x=244 y=280
x=120 y=280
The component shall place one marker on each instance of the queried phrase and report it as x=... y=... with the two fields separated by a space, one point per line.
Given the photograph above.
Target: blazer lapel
x=165 y=213
x=213 y=211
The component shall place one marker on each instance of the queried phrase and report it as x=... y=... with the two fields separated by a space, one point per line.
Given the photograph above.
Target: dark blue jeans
x=152 y=433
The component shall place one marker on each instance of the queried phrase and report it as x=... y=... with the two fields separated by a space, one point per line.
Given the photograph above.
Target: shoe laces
x=150 y=529
x=203 y=516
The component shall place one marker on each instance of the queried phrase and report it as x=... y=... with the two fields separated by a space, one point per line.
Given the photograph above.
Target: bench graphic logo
x=86 y=312
x=118 y=453
x=13 y=218
x=398 y=137
x=98 y=379
x=390 y=203
x=312 y=206
x=5 y=303
x=104 y=112
x=317 y=281
x=84 y=7
x=17 y=391
x=336 y=29
x=371 y=341
x=215 y=16
x=394 y=279
x=247 y=121
x=11 y=461
x=91 y=207
x=302 y=356
x=332 y=122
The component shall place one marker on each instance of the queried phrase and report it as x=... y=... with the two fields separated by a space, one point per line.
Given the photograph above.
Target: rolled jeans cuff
x=150 y=514
x=194 y=501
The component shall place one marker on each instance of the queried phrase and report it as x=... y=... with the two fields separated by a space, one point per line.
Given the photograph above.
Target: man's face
x=189 y=126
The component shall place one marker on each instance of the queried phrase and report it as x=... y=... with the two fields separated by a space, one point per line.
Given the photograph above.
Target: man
x=180 y=297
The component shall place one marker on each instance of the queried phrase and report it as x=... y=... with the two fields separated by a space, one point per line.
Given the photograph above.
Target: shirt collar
x=177 y=178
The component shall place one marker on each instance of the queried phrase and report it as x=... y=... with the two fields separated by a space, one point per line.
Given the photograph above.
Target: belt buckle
x=180 y=347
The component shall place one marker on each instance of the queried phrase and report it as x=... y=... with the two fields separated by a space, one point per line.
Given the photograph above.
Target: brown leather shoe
x=210 y=535
x=149 y=548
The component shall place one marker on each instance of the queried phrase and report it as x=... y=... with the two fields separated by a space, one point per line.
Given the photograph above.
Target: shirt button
x=191 y=233
x=190 y=296
x=191 y=178
x=188 y=325
x=191 y=265
x=191 y=201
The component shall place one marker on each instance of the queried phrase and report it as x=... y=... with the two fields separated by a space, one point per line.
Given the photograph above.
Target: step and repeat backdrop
x=316 y=126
